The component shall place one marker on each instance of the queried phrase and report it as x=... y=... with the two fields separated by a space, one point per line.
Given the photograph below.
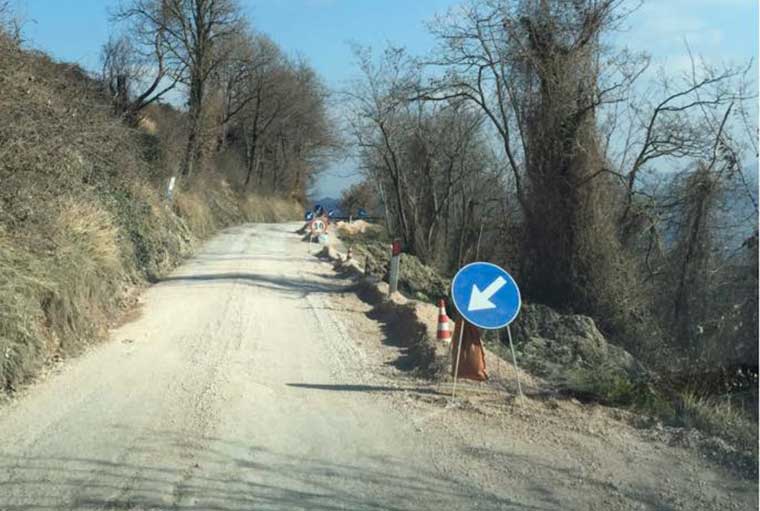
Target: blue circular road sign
x=486 y=295
x=308 y=216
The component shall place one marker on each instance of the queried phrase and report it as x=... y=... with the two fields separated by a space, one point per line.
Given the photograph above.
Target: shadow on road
x=214 y=474
x=364 y=388
x=399 y=324
x=297 y=286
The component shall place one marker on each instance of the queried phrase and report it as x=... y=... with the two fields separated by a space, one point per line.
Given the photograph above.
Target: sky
x=323 y=30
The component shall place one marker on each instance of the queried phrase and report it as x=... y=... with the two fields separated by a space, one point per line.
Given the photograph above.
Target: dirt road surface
x=253 y=379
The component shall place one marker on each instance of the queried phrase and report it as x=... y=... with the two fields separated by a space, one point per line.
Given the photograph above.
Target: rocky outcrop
x=416 y=280
x=553 y=345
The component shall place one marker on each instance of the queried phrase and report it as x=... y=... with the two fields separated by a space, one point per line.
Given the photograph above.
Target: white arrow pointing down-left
x=481 y=300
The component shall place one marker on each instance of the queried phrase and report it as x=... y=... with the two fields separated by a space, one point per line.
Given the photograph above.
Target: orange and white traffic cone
x=444 y=333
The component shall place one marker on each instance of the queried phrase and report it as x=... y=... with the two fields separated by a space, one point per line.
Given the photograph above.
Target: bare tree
x=266 y=100
x=676 y=118
x=272 y=108
x=377 y=110
x=360 y=195
x=136 y=77
x=534 y=69
x=577 y=131
x=306 y=134
x=710 y=221
x=249 y=57
x=11 y=23
x=429 y=157
x=189 y=32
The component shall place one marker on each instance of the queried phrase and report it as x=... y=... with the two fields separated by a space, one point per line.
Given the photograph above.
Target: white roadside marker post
x=170 y=188
x=514 y=362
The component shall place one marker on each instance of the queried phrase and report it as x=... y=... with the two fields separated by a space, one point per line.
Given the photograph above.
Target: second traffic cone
x=443 y=333
x=472 y=358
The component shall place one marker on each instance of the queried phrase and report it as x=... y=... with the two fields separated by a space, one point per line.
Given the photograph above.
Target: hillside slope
x=83 y=218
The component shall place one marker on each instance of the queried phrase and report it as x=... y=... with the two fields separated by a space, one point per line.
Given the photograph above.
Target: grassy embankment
x=83 y=219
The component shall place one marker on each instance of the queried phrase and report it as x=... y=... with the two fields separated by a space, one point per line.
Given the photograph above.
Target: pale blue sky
x=321 y=30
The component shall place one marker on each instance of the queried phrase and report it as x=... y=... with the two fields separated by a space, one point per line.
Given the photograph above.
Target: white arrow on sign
x=481 y=300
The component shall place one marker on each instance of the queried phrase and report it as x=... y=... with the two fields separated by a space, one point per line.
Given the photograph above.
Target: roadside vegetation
x=574 y=359
x=532 y=138
x=86 y=218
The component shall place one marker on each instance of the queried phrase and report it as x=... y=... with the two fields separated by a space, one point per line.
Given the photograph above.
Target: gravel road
x=233 y=390
x=242 y=385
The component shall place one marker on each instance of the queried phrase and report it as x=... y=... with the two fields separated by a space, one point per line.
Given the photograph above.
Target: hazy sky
x=322 y=31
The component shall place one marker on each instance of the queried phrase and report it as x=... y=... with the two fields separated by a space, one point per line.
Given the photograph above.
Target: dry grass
x=22 y=341
x=721 y=418
x=356 y=227
x=83 y=220
x=195 y=211
x=86 y=230
x=214 y=205
x=256 y=208
x=62 y=285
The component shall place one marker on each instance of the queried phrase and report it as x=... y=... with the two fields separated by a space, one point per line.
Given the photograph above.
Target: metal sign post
x=514 y=361
x=395 y=263
x=488 y=297
x=456 y=362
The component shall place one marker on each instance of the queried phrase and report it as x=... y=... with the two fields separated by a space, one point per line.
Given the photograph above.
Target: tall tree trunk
x=694 y=263
x=386 y=211
x=192 y=149
x=252 y=157
x=406 y=235
x=250 y=163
